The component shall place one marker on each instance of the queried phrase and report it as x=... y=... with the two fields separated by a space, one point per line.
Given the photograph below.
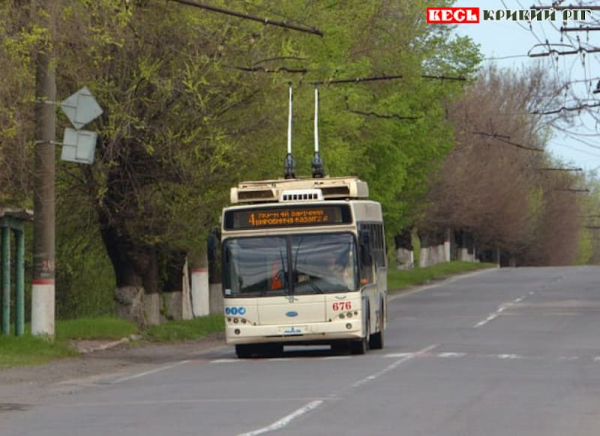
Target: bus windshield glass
x=282 y=265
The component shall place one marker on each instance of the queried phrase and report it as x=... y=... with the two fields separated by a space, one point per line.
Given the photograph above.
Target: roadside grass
x=30 y=350
x=399 y=280
x=196 y=328
x=95 y=328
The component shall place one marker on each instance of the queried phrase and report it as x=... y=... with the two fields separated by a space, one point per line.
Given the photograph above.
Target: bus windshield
x=319 y=264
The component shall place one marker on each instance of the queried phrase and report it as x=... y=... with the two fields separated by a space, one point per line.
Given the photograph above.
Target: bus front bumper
x=297 y=333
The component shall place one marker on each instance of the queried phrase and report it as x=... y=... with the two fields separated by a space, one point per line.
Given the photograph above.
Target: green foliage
x=196 y=328
x=586 y=248
x=192 y=106
x=398 y=280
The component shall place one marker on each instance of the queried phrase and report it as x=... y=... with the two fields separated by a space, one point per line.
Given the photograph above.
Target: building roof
x=17 y=213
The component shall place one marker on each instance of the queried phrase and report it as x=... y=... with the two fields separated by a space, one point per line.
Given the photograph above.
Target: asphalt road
x=504 y=352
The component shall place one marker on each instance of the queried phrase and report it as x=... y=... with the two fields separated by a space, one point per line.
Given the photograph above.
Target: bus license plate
x=293 y=330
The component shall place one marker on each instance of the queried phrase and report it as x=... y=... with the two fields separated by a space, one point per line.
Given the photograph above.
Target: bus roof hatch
x=274 y=191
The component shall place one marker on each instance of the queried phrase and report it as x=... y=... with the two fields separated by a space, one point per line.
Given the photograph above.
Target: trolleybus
x=304 y=262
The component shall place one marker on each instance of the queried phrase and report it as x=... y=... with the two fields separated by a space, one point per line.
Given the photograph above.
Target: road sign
x=81 y=108
x=79 y=146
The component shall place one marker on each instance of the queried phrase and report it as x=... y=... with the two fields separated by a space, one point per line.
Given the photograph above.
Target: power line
x=382 y=78
x=566 y=109
x=384 y=116
x=501 y=138
x=265 y=21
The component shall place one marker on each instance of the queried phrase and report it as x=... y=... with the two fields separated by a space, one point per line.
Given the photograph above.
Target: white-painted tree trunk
x=186 y=297
x=200 y=292
x=42 y=309
x=424 y=257
x=405 y=259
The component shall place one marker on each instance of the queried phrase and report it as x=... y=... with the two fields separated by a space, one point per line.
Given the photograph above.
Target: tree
x=196 y=101
x=493 y=184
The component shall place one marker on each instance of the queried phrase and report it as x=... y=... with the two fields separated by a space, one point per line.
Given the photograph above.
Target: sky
x=507 y=44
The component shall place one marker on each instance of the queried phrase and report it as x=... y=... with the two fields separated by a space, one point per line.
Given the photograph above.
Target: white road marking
x=393 y=365
x=508 y=356
x=568 y=358
x=189 y=401
x=451 y=354
x=485 y=321
x=315 y=404
x=286 y=419
x=153 y=371
x=403 y=357
x=500 y=309
x=398 y=355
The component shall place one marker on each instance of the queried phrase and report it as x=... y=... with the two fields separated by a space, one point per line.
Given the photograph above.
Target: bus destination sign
x=291 y=216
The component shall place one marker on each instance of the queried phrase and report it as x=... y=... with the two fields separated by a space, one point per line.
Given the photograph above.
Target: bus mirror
x=365 y=248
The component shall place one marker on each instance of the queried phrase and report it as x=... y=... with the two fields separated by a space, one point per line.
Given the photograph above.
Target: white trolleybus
x=304 y=262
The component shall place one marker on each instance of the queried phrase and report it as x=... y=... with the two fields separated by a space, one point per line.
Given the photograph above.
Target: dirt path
x=31 y=384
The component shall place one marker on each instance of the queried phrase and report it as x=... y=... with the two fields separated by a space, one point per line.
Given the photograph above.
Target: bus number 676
x=344 y=305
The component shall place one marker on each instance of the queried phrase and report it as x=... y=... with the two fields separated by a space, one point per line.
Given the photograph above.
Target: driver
x=338 y=271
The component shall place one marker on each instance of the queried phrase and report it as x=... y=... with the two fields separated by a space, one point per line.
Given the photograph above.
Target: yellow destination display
x=261 y=218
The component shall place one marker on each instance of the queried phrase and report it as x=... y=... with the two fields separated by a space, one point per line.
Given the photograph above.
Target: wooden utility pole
x=43 y=290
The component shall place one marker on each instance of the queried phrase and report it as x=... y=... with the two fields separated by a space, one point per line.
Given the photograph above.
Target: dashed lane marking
x=428 y=353
x=499 y=311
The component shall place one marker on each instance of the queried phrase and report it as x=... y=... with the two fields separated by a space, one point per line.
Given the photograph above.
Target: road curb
x=85 y=347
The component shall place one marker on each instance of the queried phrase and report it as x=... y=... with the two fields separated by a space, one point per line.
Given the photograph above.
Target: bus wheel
x=376 y=341
x=244 y=351
x=361 y=346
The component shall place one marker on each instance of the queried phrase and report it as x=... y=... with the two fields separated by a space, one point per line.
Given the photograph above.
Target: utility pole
x=43 y=289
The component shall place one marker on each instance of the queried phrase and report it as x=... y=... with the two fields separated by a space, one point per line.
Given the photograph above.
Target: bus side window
x=366 y=257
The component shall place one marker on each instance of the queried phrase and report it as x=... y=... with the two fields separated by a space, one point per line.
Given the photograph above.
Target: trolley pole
x=43 y=289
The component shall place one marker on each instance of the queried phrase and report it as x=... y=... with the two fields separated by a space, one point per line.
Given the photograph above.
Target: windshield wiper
x=316 y=288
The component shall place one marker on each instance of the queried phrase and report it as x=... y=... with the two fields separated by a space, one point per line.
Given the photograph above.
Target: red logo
x=452 y=15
